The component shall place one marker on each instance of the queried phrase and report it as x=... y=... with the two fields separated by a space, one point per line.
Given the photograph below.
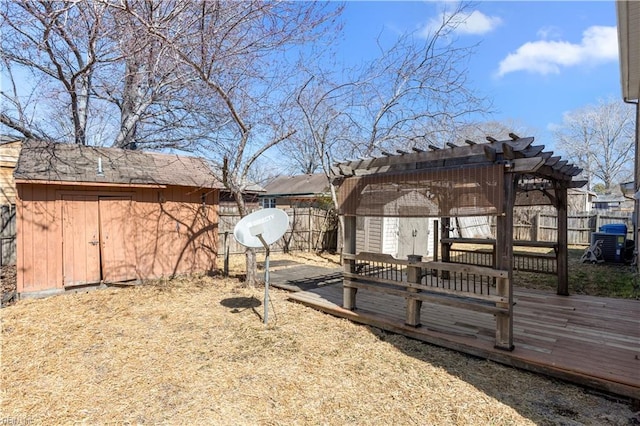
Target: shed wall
x=163 y=232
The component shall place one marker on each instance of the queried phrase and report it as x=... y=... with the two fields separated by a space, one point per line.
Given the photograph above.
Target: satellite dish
x=261 y=229
x=271 y=224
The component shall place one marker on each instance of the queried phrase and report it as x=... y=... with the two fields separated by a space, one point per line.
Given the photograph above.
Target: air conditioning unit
x=613 y=246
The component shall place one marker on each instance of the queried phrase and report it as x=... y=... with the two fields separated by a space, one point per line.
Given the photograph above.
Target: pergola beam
x=439 y=154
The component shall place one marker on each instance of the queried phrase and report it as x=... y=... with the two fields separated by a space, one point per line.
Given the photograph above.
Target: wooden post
x=445 y=246
x=536 y=227
x=504 y=261
x=446 y=226
x=349 y=265
x=494 y=255
x=436 y=239
x=310 y=245
x=414 y=275
x=563 y=251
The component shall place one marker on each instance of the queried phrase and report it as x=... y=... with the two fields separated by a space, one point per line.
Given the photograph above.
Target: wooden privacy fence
x=544 y=226
x=7 y=234
x=470 y=287
x=310 y=229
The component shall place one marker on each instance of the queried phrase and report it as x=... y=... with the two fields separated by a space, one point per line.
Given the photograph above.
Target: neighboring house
x=9 y=152
x=88 y=216
x=579 y=200
x=612 y=203
x=229 y=216
x=307 y=200
x=627 y=189
x=309 y=190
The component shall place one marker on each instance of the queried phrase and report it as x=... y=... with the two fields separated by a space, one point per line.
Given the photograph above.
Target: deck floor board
x=590 y=341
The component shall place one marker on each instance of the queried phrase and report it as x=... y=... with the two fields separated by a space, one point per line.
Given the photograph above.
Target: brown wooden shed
x=89 y=216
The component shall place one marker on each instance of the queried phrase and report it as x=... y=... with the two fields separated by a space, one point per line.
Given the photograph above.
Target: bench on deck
x=476 y=288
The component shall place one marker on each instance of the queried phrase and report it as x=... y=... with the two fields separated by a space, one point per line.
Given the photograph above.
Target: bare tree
x=238 y=55
x=413 y=91
x=58 y=43
x=600 y=139
x=210 y=77
x=416 y=87
x=87 y=72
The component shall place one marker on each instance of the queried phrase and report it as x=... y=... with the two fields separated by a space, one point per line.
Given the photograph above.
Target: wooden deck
x=590 y=341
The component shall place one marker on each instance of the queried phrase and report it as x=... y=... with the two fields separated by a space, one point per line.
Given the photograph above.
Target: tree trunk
x=251 y=265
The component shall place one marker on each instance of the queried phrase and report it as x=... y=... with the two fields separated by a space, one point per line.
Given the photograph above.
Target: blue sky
x=536 y=60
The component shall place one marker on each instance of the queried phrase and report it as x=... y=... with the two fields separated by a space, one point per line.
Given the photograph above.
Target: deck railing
x=477 y=288
x=544 y=263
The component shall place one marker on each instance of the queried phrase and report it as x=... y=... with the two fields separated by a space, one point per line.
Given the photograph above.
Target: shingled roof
x=60 y=162
x=299 y=185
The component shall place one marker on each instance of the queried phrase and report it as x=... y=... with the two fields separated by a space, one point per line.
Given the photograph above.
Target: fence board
x=7 y=234
x=309 y=230
x=544 y=227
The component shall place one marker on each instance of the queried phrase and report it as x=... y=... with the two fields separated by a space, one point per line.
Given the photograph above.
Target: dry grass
x=194 y=351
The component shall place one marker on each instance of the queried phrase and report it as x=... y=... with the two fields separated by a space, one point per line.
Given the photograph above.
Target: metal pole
x=225 y=272
x=266 y=278
x=266 y=287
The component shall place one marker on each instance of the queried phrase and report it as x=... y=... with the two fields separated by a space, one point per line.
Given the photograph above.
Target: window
x=268 y=203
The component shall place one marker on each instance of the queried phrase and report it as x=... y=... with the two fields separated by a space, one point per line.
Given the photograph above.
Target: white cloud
x=474 y=23
x=478 y=23
x=550 y=32
x=599 y=44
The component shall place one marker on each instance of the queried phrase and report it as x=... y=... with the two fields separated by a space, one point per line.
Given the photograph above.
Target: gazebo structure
x=475 y=179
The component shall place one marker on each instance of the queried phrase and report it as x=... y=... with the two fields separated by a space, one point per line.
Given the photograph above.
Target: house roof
x=59 y=162
x=609 y=198
x=629 y=45
x=576 y=191
x=300 y=185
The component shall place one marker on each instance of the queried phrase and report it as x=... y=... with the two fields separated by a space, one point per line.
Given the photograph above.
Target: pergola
x=469 y=180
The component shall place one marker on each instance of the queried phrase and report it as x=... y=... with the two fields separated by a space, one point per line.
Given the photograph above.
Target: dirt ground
x=195 y=351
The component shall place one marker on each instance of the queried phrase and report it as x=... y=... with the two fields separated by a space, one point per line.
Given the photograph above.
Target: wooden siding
x=369 y=234
x=142 y=233
x=8 y=157
x=7 y=234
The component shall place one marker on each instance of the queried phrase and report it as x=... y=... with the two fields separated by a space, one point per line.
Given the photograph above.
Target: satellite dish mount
x=261 y=229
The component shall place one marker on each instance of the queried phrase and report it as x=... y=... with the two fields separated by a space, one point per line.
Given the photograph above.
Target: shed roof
x=299 y=185
x=60 y=162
